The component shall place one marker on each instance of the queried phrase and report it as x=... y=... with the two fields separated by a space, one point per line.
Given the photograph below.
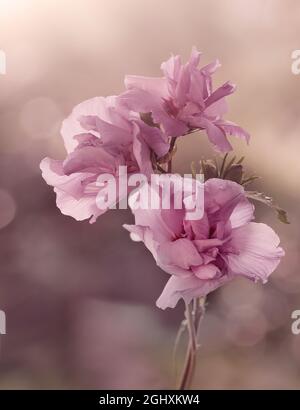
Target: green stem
x=194 y=313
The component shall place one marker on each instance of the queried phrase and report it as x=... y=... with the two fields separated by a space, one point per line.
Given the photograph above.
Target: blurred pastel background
x=80 y=298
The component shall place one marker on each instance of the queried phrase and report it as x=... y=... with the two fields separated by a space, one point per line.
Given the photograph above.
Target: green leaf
x=234 y=173
x=282 y=216
x=267 y=200
x=248 y=181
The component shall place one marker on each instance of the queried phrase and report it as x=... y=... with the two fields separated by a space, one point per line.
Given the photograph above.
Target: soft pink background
x=79 y=299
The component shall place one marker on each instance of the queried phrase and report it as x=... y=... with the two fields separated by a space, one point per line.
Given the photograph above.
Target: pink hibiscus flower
x=201 y=255
x=99 y=137
x=184 y=100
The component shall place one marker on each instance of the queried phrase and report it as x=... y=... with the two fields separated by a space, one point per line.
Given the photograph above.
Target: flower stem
x=194 y=313
x=172 y=145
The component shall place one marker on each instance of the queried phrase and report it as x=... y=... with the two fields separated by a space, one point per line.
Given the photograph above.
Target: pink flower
x=99 y=136
x=184 y=100
x=204 y=254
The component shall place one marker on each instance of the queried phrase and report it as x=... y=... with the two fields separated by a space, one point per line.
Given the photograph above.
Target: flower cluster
x=138 y=129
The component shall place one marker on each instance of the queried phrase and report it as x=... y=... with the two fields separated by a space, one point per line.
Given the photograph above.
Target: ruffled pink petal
x=53 y=174
x=203 y=244
x=109 y=133
x=199 y=228
x=87 y=140
x=154 y=138
x=171 y=68
x=154 y=85
x=257 y=253
x=208 y=271
x=71 y=125
x=207 y=72
x=181 y=253
x=150 y=219
x=136 y=232
x=242 y=213
x=142 y=154
x=143 y=102
x=195 y=93
x=52 y=171
x=221 y=92
x=195 y=57
x=70 y=198
x=79 y=209
x=89 y=159
x=221 y=198
x=182 y=87
x=231 y=128
x=216 y=110
x=215 y=134
x=187 y=288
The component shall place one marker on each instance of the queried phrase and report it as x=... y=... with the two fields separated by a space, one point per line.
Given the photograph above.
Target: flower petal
x=208 y=271
x=215 y=134
x=88 y=159
x=230 y=128
x=180 y=253
x=71 y=125
x=109 y=133
x=156 y=85
x=257 y=252
x=187 y=288
x=242 y=213
x=221 y=198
